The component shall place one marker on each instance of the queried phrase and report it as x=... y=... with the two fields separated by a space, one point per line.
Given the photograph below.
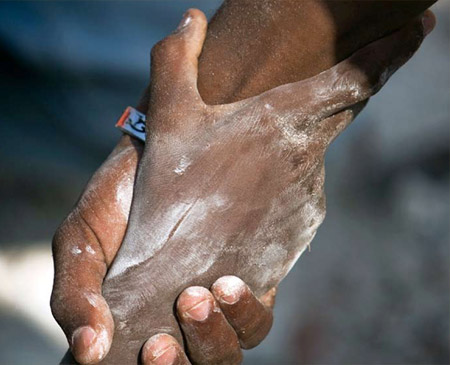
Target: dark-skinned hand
x=119 y=168
x=233 y=188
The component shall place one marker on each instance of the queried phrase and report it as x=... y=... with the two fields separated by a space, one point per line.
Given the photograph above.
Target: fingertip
x=194 y=25
x=174 y=61
x=228 y=289
x=190 y=17
x=250 y=317
x=196 y=14
x=82 y=339
x=195 y=303
x=185 y=21
x=428 y=22
x=161 y=349
x=209 y=337
x=89 y=346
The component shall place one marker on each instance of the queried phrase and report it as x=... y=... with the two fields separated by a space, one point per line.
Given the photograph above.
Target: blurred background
x=375 y=287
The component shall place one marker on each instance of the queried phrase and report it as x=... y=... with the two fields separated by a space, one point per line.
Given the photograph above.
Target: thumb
x=174 y=71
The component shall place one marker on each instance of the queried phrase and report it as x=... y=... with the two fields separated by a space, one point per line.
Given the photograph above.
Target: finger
x=209 y=337
x=163 y=349
x=354 y=79
x=77 y=303
x=175 y=63
x=250 y=318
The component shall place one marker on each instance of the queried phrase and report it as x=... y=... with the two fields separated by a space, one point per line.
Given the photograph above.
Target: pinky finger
x=250 y=317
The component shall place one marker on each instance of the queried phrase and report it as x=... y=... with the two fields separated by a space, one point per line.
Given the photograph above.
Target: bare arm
x=251 y=46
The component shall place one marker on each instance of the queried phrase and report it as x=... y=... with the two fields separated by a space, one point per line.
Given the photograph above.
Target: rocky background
x=375 y=287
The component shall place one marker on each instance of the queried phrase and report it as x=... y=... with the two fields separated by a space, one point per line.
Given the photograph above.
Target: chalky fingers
x=353 y=80
x=249 y=317
x=163 y=349
x=209 y=337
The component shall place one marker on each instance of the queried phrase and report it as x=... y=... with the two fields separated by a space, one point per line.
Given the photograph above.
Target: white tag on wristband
x=132 y=122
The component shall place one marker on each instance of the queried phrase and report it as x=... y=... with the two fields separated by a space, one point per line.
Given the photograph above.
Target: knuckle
x=63 y=234
x=157 y=49
x=374 y=80
x=165 y=48
x=58 y=238
x=354 y=83
x=57 y=306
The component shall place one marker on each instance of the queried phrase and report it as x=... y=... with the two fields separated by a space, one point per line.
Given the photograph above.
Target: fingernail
x=184 y=21
x=166 y=357
x=230 y=298
x=161 y=350
x=83 y=337
x=195 y=302
x=428 y=22
x=229 y=289
x=88 y=346
x=200 y=311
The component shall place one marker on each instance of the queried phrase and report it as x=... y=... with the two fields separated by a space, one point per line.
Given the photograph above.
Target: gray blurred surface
x=373 y=289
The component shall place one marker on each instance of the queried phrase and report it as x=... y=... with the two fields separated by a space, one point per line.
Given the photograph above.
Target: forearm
x=255 y=45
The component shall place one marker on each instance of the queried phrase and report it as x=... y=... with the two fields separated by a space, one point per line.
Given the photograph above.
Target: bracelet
x=132 y=122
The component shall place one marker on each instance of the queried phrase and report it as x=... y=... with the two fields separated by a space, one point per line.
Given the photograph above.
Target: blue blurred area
x=374 y=289
x=69 y=69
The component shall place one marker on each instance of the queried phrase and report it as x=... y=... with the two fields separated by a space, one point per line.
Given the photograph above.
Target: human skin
x=233 y=188
x=288 y=41
x=200 y=318
x=100 y=217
